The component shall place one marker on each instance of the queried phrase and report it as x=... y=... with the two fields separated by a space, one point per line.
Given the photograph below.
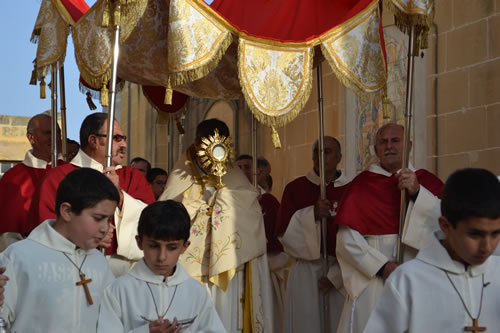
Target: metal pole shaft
x=406 y=144
x=53 y=87
x=254 y=150
x=170 y=151
x=64 y=128
x=111 y=111
x=321 y=147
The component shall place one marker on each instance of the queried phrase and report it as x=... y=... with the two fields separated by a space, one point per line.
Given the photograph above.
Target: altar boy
x=157 y=295
x=56 y=275
x=453 y=285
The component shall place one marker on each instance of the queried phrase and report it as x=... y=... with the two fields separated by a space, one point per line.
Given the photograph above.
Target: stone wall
x=13 y=141
x=463 y=102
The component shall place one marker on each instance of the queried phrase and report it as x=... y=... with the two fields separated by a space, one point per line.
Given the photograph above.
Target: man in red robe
x=368 y=220
x=135 y=191
x=18 y=184
x=299 y=220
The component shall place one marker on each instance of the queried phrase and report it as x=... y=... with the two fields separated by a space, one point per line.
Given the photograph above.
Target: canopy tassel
x=43 y=89
x=276 y=138
x=90 y=102
x=104 y=96
x=168 y=94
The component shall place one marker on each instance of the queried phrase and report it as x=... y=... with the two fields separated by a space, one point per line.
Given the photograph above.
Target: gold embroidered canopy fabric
x=200 y=53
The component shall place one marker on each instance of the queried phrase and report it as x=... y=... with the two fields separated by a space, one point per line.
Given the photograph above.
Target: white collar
x=83 y=160
x=46 y=235
x=434 y=253
x=339 y=181
x=34 y=162
x=142 y=272
x=377 y=168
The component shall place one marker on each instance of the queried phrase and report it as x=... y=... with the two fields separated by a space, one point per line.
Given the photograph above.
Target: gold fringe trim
x=276 y=138
x=43 y=89
x=104 y=96
x=116 y=14
x=422 y=24
x=281 y=120
x=348 y=82
x=105 y=14
x=180 y=78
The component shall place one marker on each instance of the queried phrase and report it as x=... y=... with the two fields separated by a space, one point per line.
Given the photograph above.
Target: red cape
x=43 y=205
x=371 y=202
x=17 y=187
x=270 y=206
x=301 y=193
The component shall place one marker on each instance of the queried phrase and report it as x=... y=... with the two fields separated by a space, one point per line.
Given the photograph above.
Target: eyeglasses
x=116 y=137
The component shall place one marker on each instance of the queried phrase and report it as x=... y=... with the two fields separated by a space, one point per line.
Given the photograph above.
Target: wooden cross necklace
x=83 y=281
x=475 y=321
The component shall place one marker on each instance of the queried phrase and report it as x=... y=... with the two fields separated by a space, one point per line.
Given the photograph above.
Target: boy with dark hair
x=157 y=177
x=56 y=275
x=157 y=295
x=453 y=285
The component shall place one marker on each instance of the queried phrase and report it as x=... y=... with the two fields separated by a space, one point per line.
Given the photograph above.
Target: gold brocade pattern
x=196 y=42
x=276 y=81
x=355 y=54
x=50 y=32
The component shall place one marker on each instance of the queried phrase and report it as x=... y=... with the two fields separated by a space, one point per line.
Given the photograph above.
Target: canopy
x=261 y=49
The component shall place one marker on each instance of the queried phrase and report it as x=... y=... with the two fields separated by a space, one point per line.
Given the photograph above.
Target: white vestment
x=128 y=302
x=41 y=294
x=418 y=296
x=126 y=221
x=238 y=199
x=361 y=256
x=303 y=307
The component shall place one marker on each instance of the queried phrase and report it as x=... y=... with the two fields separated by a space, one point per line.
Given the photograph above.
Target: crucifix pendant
x=475 y=327
x=84 y=283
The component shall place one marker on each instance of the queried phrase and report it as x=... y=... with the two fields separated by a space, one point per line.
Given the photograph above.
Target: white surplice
x=303 y=306
x=418 y=297
x=128 y=302
x=41 y=294
x=361 y=256
x=126 y=220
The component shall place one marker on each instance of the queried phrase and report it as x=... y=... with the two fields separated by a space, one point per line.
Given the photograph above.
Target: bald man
x=18 y=184
x=368 y=220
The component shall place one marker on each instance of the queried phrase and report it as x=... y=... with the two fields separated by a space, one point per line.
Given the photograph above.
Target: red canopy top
x=76 y=8
x=287 y=21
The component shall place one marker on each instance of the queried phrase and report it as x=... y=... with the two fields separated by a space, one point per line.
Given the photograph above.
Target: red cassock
x=17 y=187
x=132 y=181
x=302 y=193
x=371 y=203
x=270 y=206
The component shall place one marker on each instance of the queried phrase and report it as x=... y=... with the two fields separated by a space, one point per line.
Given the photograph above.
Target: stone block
x=443 y=17
x=487 y=159
x=465 y=11
x=467 y=45
x=466 y=131
x=452 y=91
x=492 y=126
x=484 y=86
x=494 y=36
x=449 y=163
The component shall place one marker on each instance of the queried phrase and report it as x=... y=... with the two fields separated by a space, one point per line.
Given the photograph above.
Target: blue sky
x=18 y=98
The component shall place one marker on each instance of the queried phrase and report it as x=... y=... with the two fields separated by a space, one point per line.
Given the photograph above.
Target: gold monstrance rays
x=217 y=155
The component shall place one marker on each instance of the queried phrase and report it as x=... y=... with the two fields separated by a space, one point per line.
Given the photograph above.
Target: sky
x=17 y=97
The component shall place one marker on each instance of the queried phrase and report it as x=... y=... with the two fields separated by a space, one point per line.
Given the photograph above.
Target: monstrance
x=216 y=155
